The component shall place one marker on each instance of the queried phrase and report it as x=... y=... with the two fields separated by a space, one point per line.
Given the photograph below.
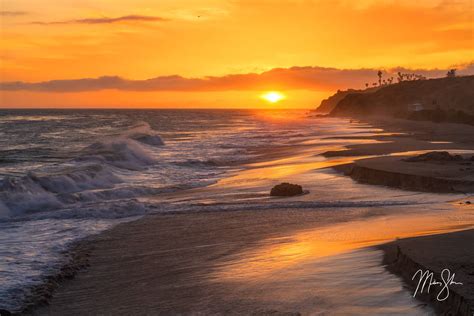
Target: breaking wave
x=121 y=153
x=92 y=176
x=143 y=133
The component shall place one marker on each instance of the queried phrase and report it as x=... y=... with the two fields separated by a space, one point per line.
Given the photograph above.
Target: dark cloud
x=307 y=78
x=13 y=13
x=106 y=20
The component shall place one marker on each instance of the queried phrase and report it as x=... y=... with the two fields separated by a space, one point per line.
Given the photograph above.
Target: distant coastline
x=439 y=100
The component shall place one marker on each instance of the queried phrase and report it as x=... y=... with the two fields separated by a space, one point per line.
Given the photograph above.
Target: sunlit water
x=65 y=175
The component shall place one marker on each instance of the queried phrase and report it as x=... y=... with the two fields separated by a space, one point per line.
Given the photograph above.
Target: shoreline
x=170 y=262
x=413 y=138
x=404 y=257
x=423 y=177
x=166 y=271
x=79 y=267
x=154 y=260
x=75 y=260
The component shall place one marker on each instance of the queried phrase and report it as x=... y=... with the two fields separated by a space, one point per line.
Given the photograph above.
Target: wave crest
x=122 y=153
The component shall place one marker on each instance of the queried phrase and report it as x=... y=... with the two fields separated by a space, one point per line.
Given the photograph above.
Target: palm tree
x=400 y=77
x=380 y=77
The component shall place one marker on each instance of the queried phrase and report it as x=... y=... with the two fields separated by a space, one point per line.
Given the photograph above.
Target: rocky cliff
x=444 y=96
x=327 y=105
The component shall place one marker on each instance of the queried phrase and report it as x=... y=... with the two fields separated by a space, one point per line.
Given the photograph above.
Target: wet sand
x=164 y=264
x=161 y=264
x=227 y=262
x=404 y=135
x=453 y=251
x=413 y=138
x=431 y=176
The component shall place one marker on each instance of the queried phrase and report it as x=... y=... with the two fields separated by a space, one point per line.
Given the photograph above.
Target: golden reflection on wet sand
x=283 y=168
x=278 y=254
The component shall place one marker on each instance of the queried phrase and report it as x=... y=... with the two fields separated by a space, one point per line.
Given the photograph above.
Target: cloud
x=13 y=13
x=294 y=78
x=106 y=20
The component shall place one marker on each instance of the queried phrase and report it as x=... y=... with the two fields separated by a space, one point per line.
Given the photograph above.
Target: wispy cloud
x=13 y=13
x=106 y=20
x=308 y=78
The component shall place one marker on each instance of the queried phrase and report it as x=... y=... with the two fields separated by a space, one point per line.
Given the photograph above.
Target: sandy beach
x=167 y=262
x=200 y=263
x=221 y=262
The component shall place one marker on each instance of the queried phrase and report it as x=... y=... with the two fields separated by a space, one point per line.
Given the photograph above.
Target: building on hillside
x=415 y=107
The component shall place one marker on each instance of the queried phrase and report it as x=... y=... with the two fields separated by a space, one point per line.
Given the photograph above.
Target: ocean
x=69 y=174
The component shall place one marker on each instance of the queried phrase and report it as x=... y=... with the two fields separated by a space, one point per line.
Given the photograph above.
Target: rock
x=468 y=202
x=4 y=312
x=435 y=156
x=286 y=189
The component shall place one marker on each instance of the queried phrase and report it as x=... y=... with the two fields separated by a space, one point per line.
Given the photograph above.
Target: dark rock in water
x=468 y=202
x=435 y=156
x=4 y=312
x=286 y=189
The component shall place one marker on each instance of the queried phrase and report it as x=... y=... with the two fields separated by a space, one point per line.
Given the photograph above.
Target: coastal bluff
x=443 y=99
x=327 y=105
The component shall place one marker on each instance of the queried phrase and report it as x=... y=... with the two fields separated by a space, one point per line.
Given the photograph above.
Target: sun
x=272 y=96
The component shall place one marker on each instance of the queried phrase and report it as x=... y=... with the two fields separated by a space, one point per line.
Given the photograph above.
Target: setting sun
x=273 y=96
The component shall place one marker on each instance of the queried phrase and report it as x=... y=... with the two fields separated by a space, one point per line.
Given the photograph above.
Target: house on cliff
x=415 y=107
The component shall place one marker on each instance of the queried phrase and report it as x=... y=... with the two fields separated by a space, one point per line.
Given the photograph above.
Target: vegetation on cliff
x=327 y=105
x=449 y=99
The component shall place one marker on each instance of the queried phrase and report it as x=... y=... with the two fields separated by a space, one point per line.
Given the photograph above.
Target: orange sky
x=142 y=39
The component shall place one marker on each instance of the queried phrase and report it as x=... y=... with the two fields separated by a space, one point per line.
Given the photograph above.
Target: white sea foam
x=77 y=178
x=37 y=192
x=122 y=153
x=22 y=195
x=143 y=133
